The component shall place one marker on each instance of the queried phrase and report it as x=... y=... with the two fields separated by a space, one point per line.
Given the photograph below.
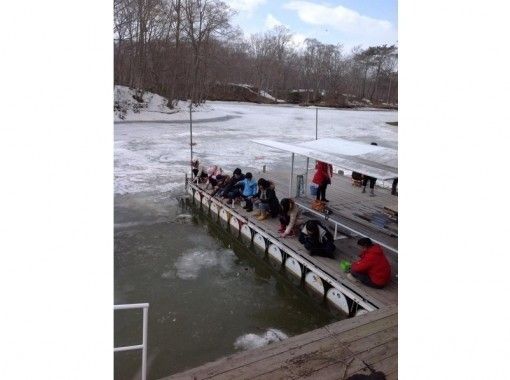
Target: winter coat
x=269 y=196
x=318 y=245
x=249 y=187
x=323 y=173
x=292 y=219
x=214 y=170
x=374 y=264
x=229 y=186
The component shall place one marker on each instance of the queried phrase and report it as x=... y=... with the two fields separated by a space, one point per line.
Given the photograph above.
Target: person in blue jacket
x=249 y=190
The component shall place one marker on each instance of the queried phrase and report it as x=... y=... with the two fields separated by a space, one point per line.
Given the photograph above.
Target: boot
x=263 y=215
x=372 y=194
x=364 y=190
x=257 y=213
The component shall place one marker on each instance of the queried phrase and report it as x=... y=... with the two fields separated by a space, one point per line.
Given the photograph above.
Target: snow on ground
x=153 y=107
x=127 y=107
x=153 y=154
x=262 y=93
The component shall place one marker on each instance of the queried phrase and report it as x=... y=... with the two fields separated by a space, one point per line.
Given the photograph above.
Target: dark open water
x=209 y=295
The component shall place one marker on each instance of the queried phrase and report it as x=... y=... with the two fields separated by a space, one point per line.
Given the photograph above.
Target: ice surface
x=251 y=341
x=154 y=156
x=192 y=262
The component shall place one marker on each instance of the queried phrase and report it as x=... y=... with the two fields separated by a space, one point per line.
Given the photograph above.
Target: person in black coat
x=317 y=239
x=228 y=190
x=267 y=203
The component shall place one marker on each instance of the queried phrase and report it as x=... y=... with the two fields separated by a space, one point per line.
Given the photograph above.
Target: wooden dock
x=357 y=345
x=343 y=196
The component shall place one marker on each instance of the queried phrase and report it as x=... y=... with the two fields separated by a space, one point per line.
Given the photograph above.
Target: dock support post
x=291 y=176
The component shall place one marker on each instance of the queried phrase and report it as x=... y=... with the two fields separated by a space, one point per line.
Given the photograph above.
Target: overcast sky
x=350 y=22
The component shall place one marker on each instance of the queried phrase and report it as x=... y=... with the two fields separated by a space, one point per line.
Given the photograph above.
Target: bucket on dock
x=313 y=189
x=345 y=265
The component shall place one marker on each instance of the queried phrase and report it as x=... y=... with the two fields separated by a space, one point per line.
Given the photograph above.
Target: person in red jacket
x=373 y=269
x=322 y=178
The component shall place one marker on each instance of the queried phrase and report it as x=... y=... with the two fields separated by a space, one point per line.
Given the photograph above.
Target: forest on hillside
x=189 y=49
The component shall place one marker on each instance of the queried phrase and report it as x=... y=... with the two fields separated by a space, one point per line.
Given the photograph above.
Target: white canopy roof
x=375 y=161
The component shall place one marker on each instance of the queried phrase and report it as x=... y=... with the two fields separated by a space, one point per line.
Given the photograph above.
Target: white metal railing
x=143 y=346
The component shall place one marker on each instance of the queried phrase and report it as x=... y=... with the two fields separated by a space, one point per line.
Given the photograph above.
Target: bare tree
x=182 y=48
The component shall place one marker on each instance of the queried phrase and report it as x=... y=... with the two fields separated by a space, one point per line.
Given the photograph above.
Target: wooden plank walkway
x=349 y=205
x=357 y=345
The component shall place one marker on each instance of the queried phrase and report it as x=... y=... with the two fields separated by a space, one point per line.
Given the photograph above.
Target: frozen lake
x=154 y=156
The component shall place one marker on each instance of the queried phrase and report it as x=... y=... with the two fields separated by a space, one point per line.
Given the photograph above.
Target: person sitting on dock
x=289 y=218
x=249 y=190
x=221 y=181
x=199 y=172
x=317 y=239
x=228 y=189
x=373 y=268
x=266 y=201
x=214 y=175
x=195 y=163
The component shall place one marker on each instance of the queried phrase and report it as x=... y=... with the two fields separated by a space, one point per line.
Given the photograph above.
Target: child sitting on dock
x=195 y=163
x=289 y=218
x=266 y=201
x=228 y=188
x=373 y=269
x=249 y=190
x=201 y=176
x=221 y=182
x=317 y=239
x=214 y=175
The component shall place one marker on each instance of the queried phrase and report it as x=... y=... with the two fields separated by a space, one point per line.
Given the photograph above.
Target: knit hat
x=365 y=242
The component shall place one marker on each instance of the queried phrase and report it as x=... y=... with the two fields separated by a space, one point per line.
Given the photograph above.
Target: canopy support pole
x=291 y=176
x=191 y=137
x=306 y=176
